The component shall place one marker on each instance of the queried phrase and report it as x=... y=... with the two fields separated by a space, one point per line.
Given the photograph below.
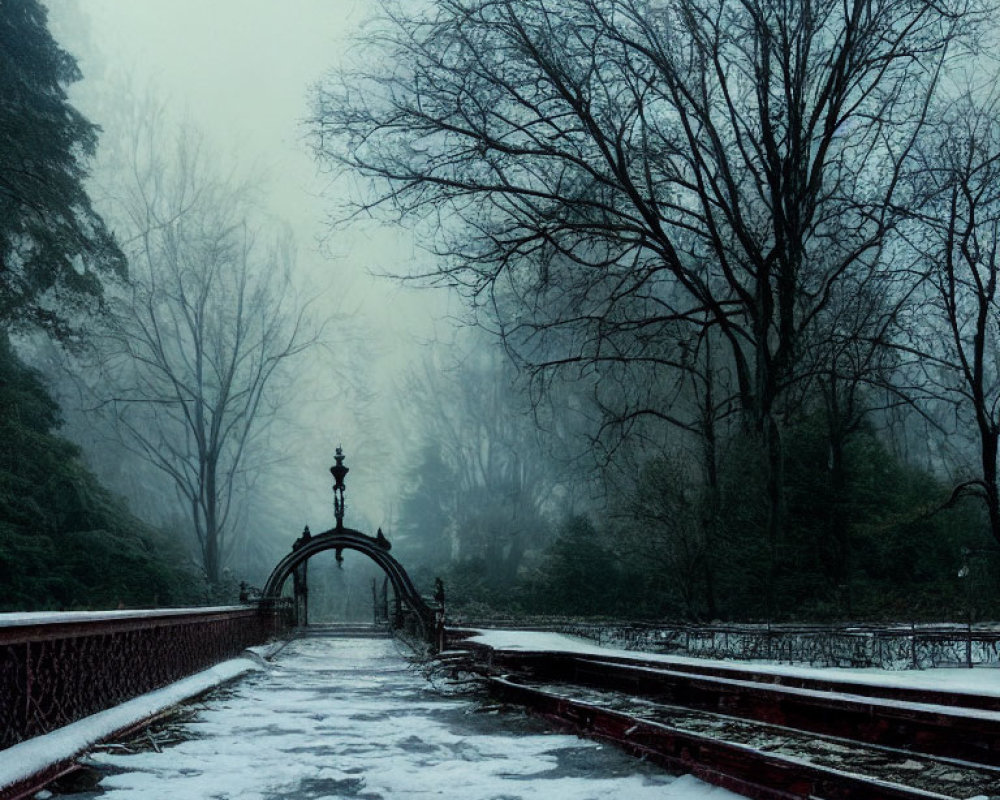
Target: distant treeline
x=875 y=548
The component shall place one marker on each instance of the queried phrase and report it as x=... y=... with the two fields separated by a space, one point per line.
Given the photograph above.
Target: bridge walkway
x=344 y=630
x=336 y=717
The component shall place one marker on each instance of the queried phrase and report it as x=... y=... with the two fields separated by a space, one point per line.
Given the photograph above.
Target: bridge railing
x=60 y=667
x=888 y=646
x=901 y=646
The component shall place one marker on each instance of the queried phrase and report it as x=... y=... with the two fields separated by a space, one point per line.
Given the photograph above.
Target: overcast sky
x=241 y=70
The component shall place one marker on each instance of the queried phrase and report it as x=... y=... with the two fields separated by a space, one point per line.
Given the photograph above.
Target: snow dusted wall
x=889 y=647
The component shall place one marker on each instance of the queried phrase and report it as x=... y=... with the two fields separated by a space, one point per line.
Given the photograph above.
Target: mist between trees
x=755 y=239
x=729 y=268
x=172 y=376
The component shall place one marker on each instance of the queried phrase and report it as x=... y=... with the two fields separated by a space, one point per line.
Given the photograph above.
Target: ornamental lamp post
x=339 y=472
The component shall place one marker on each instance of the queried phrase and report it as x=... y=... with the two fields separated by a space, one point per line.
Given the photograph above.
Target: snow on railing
x=888 y=646
x=56 y=668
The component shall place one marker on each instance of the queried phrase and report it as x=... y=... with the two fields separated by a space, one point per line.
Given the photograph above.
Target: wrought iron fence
x=888 y=647
x=57 y=669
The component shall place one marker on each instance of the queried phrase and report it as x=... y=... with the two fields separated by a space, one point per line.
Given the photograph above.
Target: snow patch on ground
x=27 y=758
x=353 y=718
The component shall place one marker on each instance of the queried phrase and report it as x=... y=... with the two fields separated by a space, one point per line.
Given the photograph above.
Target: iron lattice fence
x=887 y=647
x=53 y=672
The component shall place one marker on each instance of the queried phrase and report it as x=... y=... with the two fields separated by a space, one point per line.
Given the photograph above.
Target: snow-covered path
x=352 y=718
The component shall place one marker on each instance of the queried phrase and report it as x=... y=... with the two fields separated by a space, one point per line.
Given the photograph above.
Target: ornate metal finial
x=305 y=537
x=339 y=472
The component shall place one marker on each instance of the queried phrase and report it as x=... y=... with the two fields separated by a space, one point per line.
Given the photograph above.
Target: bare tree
x=958 y=235
x=596 y=173
x=197 y=345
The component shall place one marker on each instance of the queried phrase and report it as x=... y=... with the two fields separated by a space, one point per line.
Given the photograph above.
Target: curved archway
x=377 y=549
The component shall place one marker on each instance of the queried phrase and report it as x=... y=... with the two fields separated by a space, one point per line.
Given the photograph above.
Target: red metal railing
x=58 y=668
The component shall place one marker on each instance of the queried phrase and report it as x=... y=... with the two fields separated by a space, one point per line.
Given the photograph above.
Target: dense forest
x=878 y=541
x=728 y=340
x=65 y=541
x=742 y=255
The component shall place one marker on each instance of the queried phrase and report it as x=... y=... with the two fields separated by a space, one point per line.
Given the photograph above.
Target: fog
x=240 y=72
x=669 y=346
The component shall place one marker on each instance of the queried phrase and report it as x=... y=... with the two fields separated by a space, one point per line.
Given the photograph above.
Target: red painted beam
x=756 y=774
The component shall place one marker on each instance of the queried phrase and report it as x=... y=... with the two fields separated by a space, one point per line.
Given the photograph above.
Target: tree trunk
x=991 y=491
x=776 y=511
x=710 y=506
x=213 y=566
x=839 y=530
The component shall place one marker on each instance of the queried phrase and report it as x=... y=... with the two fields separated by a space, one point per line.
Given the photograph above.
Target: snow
x=34 y=755
x=352 y=717
x=984 y=681
x=62 y=617
x=890 y=706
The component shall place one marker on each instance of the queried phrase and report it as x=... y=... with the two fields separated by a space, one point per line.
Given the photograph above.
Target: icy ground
x=352 y=718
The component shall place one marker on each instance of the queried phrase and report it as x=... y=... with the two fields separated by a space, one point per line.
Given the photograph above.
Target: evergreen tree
x=53 y=245
x=65 y=541
x=581 y=572
x=426 y=513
